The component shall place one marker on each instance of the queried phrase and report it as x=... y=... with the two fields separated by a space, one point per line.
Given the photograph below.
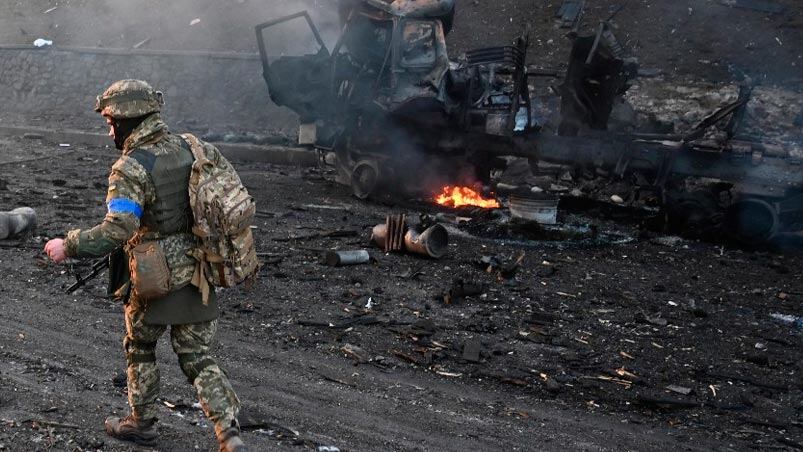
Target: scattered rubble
x=461 y=289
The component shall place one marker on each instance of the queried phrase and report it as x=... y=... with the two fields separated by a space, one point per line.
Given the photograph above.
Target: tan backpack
x=223 y=212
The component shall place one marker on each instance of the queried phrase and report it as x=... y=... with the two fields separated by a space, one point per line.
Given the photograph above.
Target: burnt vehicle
x=388 y=102
x=389 y=109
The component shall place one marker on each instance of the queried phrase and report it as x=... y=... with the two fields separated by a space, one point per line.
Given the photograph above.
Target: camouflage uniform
x=214 y=391
x=130 y=195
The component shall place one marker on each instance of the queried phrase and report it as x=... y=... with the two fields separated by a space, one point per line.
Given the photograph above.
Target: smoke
x=198 y=25
x=214 y=95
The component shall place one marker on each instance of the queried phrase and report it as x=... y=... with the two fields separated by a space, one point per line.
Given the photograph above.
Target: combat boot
x=230 y=440
x=129 y=428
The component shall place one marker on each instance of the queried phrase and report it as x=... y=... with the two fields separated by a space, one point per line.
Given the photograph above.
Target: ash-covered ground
x=647 y=344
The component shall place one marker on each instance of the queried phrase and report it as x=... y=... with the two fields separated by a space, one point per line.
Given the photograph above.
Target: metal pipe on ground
x=339 y=258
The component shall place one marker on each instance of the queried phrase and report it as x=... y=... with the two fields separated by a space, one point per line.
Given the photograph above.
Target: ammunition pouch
x=150 y=275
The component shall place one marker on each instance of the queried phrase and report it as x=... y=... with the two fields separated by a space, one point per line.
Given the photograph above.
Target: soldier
x=148 y=200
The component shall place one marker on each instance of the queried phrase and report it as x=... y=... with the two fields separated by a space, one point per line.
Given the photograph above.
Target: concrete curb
x=129 y=52
x=274 y=154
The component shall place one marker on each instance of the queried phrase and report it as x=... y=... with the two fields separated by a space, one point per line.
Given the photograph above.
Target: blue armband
x=125 y=205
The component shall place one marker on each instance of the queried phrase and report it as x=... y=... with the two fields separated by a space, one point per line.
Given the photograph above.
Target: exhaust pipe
x=394 y=235
x=433 y=242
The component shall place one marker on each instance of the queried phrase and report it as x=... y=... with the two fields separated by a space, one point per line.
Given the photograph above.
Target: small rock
x=546 y=272
x=553 y=386
x=761 y=346
x=617 y=199
x=679 y=389
x=471 y=350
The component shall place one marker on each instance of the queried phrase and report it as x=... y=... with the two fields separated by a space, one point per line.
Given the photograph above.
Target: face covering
x=123 y=129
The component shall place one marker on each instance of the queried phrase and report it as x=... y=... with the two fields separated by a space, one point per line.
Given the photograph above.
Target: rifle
x=99 y=265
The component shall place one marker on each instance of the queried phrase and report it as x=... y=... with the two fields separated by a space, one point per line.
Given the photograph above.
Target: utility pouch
x=150 y=275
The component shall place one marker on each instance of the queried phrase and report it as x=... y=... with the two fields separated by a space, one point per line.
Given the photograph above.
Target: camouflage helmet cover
x=129 y=99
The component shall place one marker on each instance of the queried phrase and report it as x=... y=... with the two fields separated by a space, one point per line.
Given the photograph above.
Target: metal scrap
x=570 y=13
x=396 y=235
x=390 y=236
x=503 y=268
x=339 y=258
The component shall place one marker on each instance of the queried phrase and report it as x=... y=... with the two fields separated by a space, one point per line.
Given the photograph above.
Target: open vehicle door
x=296 y=65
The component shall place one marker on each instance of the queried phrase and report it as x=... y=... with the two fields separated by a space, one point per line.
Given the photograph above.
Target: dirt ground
x=576 y=351
x=628 y=341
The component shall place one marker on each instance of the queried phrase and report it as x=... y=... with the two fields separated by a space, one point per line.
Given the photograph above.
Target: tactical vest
x=170 y=173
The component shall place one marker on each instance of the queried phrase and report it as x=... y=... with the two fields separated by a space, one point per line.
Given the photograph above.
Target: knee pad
x=192 y=364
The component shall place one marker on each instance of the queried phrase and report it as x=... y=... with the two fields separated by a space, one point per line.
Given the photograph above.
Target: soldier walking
x=148 y=202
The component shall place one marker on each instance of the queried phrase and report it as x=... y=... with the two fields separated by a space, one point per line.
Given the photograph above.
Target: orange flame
x=464 y=196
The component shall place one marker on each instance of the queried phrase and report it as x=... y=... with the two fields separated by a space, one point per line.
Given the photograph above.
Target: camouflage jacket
x=131 y=193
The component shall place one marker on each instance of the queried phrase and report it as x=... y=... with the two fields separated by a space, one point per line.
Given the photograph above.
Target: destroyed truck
x=389 y=109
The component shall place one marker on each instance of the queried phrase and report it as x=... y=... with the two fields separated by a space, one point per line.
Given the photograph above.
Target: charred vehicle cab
x=388 y=102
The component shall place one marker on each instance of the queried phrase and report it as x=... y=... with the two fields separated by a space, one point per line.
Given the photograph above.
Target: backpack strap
x=195 y=146
x=199 y=278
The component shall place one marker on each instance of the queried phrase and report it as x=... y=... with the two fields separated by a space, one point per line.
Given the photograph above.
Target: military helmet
x=129 y=99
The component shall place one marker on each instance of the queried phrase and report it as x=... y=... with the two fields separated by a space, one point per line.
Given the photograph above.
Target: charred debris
x=389 y=109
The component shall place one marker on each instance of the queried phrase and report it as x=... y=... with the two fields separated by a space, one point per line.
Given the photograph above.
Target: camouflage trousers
x=191 y=344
